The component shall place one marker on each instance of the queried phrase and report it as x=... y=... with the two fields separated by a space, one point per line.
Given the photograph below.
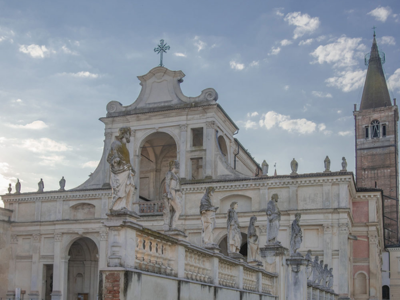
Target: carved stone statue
x=327 y=164
x=315 y=270
x=40 y=186
x=18 y=187
x=122 y=173
x=330 y=279
x=321 y=273
x=309 y=266
x=325 y=276
x=294 y=166
x=234 y=239
x=252 y=240
x=9 y=188
x=173 y=197
x=344 y=164
x=207 y=212
x=62 y=184
x=296 y=236
x=264 y=168
x=273 y=219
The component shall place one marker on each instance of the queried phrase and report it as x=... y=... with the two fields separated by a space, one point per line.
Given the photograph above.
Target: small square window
x=366 y=132
x=197 y=137
x=383 y=130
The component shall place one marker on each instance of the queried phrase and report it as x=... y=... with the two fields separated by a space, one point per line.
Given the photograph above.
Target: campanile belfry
x=376 y=131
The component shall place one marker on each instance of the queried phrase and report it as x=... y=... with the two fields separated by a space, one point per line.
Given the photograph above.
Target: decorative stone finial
x=40 y=186
x=62 y=184
x=294 y=166
x=9 y=188
x=18 y=187
x=264 y=168
x=344 y=164
x=327 y=164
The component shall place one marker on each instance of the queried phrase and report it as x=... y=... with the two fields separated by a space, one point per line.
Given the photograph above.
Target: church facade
x=68 y=244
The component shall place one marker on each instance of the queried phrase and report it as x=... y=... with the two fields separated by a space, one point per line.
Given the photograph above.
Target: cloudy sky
x=287 y=72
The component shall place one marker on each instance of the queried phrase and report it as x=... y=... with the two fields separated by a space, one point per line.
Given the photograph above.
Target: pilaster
x=57 y=268
x=182 y=151
x=35 y=279
x=343 y=278
x=328 y=244
x=293 y=197
x=209 y=144
x=327 y=195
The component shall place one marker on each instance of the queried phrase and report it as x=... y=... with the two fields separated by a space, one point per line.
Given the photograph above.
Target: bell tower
x=376 y=133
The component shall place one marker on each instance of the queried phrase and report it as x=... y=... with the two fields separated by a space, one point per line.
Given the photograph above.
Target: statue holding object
x=234 y=239
x=122 y=173
x=173 y=197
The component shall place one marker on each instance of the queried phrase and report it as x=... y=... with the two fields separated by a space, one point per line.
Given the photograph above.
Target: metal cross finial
x=162 y=48
x=374 y=30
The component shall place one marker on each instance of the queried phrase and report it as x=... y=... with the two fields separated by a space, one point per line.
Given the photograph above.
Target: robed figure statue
x=252 y=240
x=122 y=173
x=173 y=196
x=273 y=219
x=207 y=212
x=296 y=237
x=234 y=240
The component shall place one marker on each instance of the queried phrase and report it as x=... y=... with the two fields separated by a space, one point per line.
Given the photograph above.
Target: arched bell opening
x=83 y=270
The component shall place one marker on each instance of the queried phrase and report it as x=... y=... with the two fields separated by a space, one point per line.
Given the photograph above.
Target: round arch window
x=375 y=129
x=222 y=145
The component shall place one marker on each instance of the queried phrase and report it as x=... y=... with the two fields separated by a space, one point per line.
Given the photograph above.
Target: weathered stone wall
x=5 y=249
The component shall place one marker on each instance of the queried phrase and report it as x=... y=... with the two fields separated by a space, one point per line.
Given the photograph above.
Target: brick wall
x=112 y=286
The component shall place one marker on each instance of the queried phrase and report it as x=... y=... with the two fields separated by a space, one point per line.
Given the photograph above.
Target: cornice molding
x=54 y=196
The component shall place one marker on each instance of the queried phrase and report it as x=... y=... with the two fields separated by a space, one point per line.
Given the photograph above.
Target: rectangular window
x=197 y=168
x=366 y=132
x=197 y=137
x=383 y=130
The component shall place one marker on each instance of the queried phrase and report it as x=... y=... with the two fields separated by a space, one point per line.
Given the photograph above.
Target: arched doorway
x=157 y=150
x=243 y=248
x=83 y=270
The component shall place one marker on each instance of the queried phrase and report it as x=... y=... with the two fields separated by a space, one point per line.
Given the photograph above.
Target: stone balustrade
x=227 y=274
x=197 y=266
x=250 y=279
x=319 y=293
x=268 y=284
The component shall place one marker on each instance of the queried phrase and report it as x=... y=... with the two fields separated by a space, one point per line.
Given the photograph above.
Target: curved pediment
x=161 y=89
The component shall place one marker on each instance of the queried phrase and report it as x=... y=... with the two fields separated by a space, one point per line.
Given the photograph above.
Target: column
x=57 y=269
x=327 y=195
x=292 y=197
x=343 y=278
x=182 y=151
x=209 y=145
x=38 y=210
x=328 y=245
x=11 y=269
x=35 y=278
x=374 y=271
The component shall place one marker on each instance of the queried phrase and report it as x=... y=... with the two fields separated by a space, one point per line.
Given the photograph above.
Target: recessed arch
x=361 y=283
x=222 y=146
x=244 y=203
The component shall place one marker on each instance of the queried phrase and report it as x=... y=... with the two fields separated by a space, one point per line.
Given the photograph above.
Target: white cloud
x=236 y=66
x=345 y=133
x=286 y=87
x=394 y=80
x=306 y=42
x=274 y=51
x=301 y=126
x=388 y=40
x=34 y=50
x=303 y=22
x=285 y=42
x=180 y=54
x=254 y=63
x=35 y=125
x=52 y=160
x=16 y=101
x=68 y=51
x=43 y=145
x=321 y=94
x=253 y=114
x=339 y=111
x=342 y=53
x=321 y=38
x=199 y=43
x=381 y=13
x=82 y=74
x=250 y=125
x=347 y=80
x=279 y=12
x=91 y=164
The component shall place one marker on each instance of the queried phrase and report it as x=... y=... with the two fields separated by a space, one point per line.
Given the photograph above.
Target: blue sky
x=287 y=72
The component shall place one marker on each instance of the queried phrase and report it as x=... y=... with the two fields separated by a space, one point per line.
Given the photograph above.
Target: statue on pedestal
x=294 y=165
x=234 y=240
x=264 y=168
x=62 y=184
x=18 y=187
x=173 y=197
x=9 y=188
x=327 y=164
x=344 y=164
x=330 y=279
x=252 y=241
x=122 y=173
x=325 y=276
x=321 y=273
x=309 y=266
x=40 y=186
x=274 y=217
x=296 y=236
x=315 y=270
x=207 y=212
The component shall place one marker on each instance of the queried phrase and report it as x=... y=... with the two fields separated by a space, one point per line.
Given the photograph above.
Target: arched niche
x=83 y=269
x=222 y=146
x=243 y=247
x=360 y=284
x=82 y=211
x=244 y=203
x=156 y=151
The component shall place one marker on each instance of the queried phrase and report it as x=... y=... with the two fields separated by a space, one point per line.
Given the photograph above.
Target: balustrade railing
x=249 y=279
x=316 y=293
x=151 y=207
x=227 y=274
x=197 y=266
x=268 y=283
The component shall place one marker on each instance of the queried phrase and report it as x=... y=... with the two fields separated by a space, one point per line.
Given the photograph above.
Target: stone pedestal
x=235 y=255
x=296 y=278
x=273 y=250
x=175 y=233
x=56 y=295
x=214 y=248
x=255 y=263
x=34 y=295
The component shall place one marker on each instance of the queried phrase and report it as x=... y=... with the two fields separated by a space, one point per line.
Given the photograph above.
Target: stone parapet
x=319 y=293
